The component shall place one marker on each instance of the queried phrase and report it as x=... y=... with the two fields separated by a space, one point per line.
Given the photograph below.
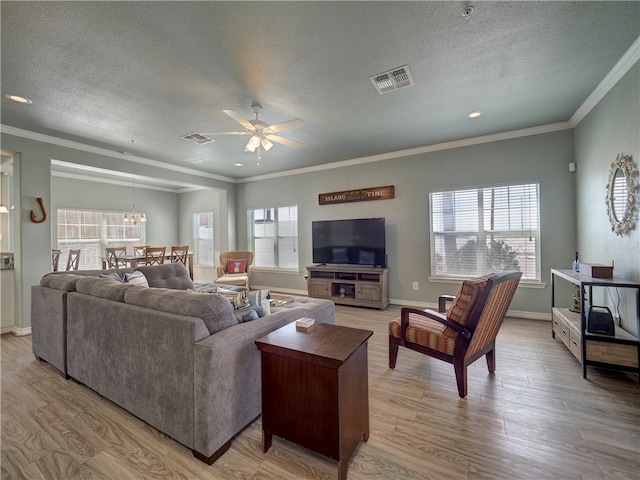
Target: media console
x=350 y=285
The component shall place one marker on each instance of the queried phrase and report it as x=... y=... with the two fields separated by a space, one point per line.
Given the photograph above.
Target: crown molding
x=18 y=132
x=496 y=137
x=619 y=70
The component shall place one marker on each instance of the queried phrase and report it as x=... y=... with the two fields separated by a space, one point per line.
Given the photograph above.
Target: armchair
x=235 y=268
x=462 y=334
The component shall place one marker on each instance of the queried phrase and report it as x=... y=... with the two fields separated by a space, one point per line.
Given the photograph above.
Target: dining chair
x=55 y=259
x=155 y=255
x=115 y=257
x=462 y=333
x=74 y=259
x=139 y=251
x=179 y=254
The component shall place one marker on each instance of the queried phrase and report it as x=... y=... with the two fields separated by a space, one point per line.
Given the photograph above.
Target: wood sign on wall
x=361 y=195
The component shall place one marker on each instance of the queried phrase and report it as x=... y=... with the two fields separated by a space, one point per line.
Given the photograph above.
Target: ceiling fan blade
x=240 y=119
x=279 y=127
x=223 y=133
x=266 y=144
x=284 y=141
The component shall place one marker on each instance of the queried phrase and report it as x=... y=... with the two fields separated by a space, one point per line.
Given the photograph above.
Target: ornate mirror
x=621 y=193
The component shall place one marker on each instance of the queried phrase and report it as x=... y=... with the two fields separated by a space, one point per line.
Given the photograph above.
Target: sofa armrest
x=228 y=382
x=140 y=359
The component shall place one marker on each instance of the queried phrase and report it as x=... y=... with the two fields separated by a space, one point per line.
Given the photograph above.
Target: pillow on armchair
x=236 y=266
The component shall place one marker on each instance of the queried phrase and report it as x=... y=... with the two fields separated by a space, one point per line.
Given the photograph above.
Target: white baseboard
x=545 y=317
x=18 y=332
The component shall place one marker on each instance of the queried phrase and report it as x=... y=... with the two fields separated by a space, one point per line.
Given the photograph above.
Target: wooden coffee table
x=315 y=389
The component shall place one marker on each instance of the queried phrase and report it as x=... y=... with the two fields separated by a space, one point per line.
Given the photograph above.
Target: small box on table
x=596 y=271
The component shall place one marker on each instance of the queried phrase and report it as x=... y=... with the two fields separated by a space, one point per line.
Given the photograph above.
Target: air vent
x=198 y=138
x=392 y=80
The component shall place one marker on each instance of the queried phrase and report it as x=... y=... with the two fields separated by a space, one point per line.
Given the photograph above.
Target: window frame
x=197 y=239
x=67 y=242
x=277 y=238
x=528 y=230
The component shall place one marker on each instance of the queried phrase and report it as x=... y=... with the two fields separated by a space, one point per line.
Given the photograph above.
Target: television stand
x=359 y=286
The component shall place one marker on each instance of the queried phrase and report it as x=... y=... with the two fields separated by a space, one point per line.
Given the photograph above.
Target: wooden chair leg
x=461 y=377
x=393 y=351
x=491 y=360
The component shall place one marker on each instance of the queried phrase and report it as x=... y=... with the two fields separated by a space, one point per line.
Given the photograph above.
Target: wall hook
x=44 y=212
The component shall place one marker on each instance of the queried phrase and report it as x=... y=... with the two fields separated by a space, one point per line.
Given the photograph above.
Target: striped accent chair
x=462 y=333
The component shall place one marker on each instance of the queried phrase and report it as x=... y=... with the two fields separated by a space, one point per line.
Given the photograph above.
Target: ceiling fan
x=262 y=134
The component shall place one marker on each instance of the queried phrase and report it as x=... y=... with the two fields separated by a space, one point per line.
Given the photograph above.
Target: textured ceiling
x=135 y=76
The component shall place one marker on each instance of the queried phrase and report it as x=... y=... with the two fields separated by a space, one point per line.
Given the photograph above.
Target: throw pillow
x=236 y=266
x=237 y=297
x=136 y=278
x=111 y=276
x=259 y=299
x=246 y=314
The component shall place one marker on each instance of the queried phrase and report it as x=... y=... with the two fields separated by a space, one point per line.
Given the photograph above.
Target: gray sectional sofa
x=175 y=357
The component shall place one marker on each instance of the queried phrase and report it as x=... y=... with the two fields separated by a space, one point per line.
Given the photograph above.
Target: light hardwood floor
x=536 y=418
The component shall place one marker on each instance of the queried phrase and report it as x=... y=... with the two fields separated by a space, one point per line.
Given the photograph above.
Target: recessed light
x=18 y=98
x=237 y=164
x=476 y=114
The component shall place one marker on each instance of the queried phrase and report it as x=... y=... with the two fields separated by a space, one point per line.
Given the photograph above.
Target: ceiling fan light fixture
x=266 y=144
x=252 y=144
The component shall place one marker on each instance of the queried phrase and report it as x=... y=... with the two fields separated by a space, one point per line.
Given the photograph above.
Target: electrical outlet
x=415 y=285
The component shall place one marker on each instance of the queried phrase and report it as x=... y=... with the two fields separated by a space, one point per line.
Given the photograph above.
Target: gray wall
x=204 y=201
x=542 y=159
x=160 y=207
x=611 y=128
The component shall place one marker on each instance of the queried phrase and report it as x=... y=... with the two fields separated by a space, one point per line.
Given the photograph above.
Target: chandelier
x=133 y=216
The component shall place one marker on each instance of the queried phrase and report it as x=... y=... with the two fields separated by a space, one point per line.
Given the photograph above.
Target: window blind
x=273 y=232
x=92 y=231
x=203 y=239
x=477 y=231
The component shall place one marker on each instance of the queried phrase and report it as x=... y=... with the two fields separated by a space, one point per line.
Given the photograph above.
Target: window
x=477 y=231
x=203 y=238
x=92 y=231
x=273 y=237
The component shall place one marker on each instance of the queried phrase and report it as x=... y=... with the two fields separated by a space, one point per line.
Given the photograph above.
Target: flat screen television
x=359 y=241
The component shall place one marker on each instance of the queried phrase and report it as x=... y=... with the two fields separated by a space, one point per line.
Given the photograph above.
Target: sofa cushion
x=214 y=310
x=169 y=275
x=465 y=299
x=60 y=281
x=103 y=288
